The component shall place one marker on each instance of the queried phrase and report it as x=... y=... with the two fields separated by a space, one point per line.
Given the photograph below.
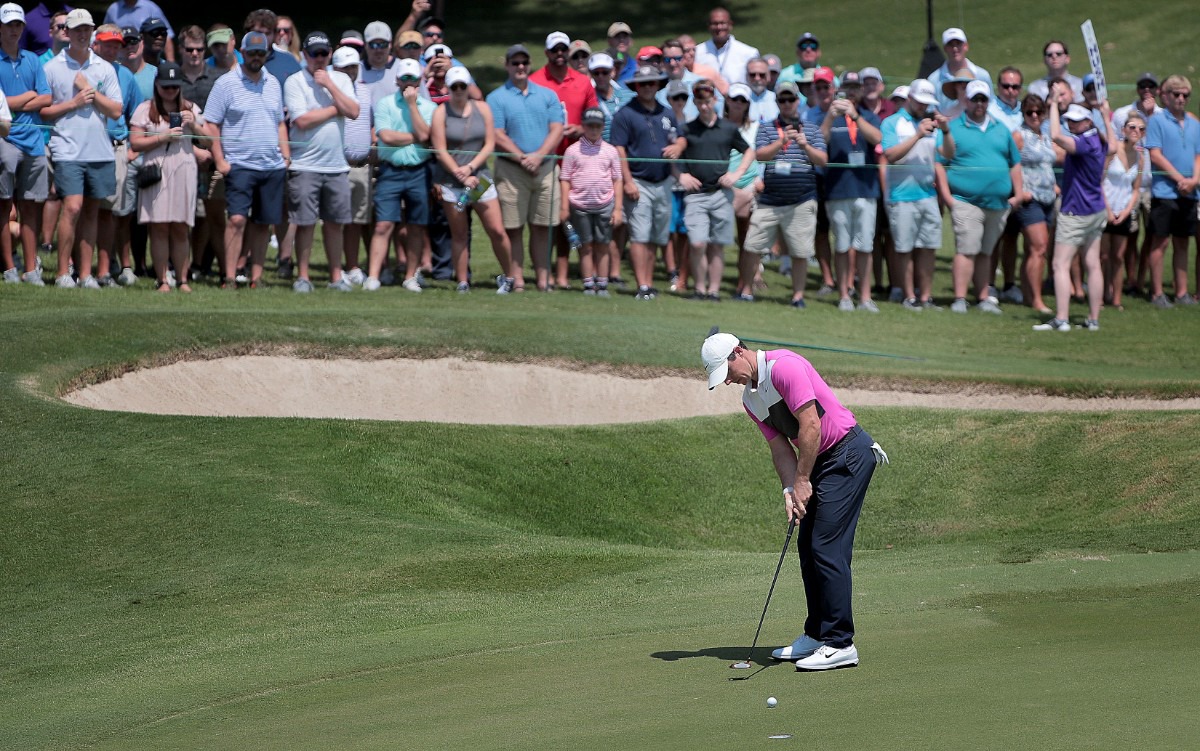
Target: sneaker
x=65 y=282
x=959 y=306
x=846 y=305
x=1090 y=324
x=12 y=276
x=420 y=277
x=930 y=305
x=602 y=292
x=589 y=291
x=34 y=278
x=412 y=284
x=107 y=281
x=355 y=276
x=799 y=304
x=714 y=297
x=302 y=286
x=1013 y=295
x=1161 y=301
x=504 y=285
x=242 y=277
x=829 y=658
x=341 y=285
x=797 y=650
x=127 y=277
x=370 y=284
x=912 y=304
x=644 y=293
x=89 y=282
x=869 y=306
x=825 y=291
x=1185 y=299
x=1054 y=324
x=462 y=288
x=674 y=282
x=387 y=277
x=286 y=269
x=989 y=305
x=896 y=295
x=743 y=297
x=618 y=282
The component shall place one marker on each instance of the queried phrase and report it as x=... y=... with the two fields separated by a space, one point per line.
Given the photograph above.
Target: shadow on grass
x=761 y=656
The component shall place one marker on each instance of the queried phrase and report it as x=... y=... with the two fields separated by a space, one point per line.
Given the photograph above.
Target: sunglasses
x=159 y=33
x=673 y=59
x=1136 y=128
x=758 y=75
x=319 y=53
x=408 y=79
x=1034 y=113
x=132 y=41
x=436 y=34
x=1179 y=94
x=194 y=50
x=786 y=100
x=1059 y=53
x=981 y=99
x=1147 y=85
x=580 y=56
x=378 y=45
x=679 y=98
x=519 y=63
x=1011 y=86
x=284 y=29
x=458 y=87
x=254 y=53
x=809 y=46
x=60 y=26
x=602 y=71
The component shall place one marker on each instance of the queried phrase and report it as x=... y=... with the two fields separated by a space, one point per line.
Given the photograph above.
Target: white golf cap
x=556 y=38
x=739 y=89
x=600 y=61
x=377 y=30
x=79 y=17
x=953 y=34
x=408 y=67
x=1077 y=113
x=922 y=91
x=715 y=354
x=975 y=88
x=10 y=12
x=344 y=57
x=437 y=49
x=900 y=91
x=458 y=74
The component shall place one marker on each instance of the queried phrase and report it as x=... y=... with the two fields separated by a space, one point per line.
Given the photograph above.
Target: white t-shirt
x=320 y=148
x=81 y=135
x=730 y=60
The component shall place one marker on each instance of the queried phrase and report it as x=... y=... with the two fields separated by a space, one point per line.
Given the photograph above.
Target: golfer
x=825 y=462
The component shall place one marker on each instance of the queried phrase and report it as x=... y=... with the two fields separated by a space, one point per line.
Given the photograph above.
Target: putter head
x=742 y=665
x=714 y=330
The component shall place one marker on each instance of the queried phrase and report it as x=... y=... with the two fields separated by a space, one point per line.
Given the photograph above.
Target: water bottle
x=464 y=200
x=468 y=197
x=572 y=236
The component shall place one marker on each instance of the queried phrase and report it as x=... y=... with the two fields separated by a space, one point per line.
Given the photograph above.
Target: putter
x=745 y=664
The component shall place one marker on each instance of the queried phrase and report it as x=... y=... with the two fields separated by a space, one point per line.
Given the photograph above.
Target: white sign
x=1093 y=52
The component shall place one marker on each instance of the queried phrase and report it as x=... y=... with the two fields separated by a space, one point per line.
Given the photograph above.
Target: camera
x=175 y=120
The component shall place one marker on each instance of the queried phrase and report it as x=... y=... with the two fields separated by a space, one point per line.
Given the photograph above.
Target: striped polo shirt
x=248 y=114
x=590 y=169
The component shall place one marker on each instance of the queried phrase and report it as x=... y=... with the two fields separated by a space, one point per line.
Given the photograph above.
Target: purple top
x=798 y=382
x=36 y=38
x=1083 y=176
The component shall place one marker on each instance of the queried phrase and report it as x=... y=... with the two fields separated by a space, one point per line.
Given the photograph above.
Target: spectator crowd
x=210 y=146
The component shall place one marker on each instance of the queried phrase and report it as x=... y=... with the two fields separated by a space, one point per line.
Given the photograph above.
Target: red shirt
x=575 y=92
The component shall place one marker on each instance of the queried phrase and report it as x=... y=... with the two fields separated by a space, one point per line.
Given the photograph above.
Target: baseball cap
x=600 y=61
x=714 y=353
x=866 y=73
x=823 y=74
x=922 y=91
x=806 y=76
x=952 y=34
x=516 y=49
x=808 y=37
x=408 y=68
x=111 y=34
x=593 y=115
x=851 y=78
x=344 y=57
x=10 y=12
x=151 y=25
x=79 y=17
x=975 y=88
x=677 y=87
x=619 y=26
x=316 y=40
x=1147 y=76
x=578 y=45
x=428 y=21
x=458 y=74
x=555 y=38
x=787 y=87
x=437 y=49
x=216 y=36
x=739 y=89
x=1089 y=80
x=647 y=52
x=900 y=92
x=255 y=41
x=773 y=62
x=1077 y=113
x=352 y=38
x=377 y=30
x=411 y=37
x=169 y=74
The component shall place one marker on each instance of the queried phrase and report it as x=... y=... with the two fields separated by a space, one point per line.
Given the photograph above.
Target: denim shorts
x=1036 y=212
x=402 y=194
x=256 y=194
x=88 y=179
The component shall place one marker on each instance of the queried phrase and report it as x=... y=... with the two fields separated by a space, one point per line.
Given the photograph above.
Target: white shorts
x=853 y=223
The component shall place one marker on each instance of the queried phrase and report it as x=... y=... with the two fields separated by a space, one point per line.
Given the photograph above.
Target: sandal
x=163 y=286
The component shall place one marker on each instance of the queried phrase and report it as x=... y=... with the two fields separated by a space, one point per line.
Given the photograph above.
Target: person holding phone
x=163 y=129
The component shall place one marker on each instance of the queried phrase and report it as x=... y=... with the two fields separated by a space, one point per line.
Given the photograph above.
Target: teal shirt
x=983 y=156
x=392 y=114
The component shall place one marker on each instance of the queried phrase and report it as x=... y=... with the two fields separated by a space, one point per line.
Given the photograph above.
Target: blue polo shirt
x=525 y=116
x=644 y=134
x=983 y=155
x=392 y=113
x=131 y=97
x=910 y=179
x=17 y=77
x=861 y=178
x=1179 y=142
x=620 y=95
x=248 y=114
x=281 y=65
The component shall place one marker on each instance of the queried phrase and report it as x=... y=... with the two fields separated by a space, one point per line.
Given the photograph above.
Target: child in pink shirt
x=592 y=187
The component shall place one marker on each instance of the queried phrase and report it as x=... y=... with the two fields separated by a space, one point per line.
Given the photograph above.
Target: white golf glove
x=881 y=456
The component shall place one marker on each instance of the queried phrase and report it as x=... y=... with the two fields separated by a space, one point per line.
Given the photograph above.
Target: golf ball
x=771 y=701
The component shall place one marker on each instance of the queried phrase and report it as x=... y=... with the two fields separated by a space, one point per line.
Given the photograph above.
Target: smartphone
x=175 y=120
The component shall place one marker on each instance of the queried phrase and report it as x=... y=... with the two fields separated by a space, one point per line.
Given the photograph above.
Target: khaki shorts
x=360 y=194
x=1080 y=231
x=976 y=230
x=525 y=198
x=797 y=222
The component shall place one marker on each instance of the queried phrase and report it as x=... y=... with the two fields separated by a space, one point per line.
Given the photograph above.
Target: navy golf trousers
x=840 y=477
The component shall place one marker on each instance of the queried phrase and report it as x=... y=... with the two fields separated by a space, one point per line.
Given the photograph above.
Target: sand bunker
x=481 y=393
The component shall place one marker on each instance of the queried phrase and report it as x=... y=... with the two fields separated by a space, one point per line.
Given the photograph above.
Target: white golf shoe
x=801 y=648
x=828 y=658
